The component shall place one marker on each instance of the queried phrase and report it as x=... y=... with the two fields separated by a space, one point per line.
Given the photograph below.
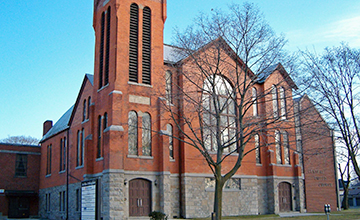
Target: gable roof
x=60 y=125
x=172 y=54
x=64 y=122
x=264 y=75
x=87 y=77
x=90 y=77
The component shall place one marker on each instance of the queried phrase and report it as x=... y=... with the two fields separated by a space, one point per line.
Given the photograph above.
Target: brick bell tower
x=128 y=54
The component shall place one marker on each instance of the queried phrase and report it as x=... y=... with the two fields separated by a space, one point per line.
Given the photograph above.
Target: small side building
x=19 y=180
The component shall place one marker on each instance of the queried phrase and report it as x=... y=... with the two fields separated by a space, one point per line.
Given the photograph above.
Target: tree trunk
x=345 y=202
x=218 y=199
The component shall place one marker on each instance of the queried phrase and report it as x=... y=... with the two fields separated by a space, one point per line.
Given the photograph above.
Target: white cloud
x=330 y=34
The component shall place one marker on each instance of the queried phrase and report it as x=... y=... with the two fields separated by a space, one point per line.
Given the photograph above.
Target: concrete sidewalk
x=296 y=214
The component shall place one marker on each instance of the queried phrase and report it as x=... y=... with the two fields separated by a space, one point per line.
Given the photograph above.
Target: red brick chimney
x=47 y=126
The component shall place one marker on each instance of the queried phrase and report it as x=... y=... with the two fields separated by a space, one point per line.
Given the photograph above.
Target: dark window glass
x=84 y=110
x=105 y=120
x=107 y=55
x=101 y=58
x=98 y=151
x=88 y=111
x=21 y=165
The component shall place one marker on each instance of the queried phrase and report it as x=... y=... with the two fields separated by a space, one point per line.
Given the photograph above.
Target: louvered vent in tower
x=107 y=55
x=133 y=47
x=101 y=58
x=146 y=47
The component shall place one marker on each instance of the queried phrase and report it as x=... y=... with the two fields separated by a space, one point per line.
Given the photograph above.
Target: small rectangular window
x=60 y=201
x=78 y=200
x=47 y=202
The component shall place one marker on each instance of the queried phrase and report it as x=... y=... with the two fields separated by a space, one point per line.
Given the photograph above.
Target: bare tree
x=27 y=140
x=333 y=83
x=345 y=180
x=216 y=95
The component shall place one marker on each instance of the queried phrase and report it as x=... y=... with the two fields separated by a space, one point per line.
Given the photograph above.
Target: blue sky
x=46 y=47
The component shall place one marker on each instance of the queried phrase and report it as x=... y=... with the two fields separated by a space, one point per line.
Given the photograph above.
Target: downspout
x=67 y=175
x=335 y=170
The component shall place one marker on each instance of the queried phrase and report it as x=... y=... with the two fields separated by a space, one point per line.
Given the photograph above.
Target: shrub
x=156 y=215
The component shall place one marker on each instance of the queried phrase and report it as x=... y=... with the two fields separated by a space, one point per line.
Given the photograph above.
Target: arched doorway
x=284 y=197
x=139 y=197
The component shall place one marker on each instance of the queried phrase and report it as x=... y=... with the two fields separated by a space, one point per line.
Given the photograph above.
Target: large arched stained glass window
x=218 y=102
x=146 y=135
x=132 y=133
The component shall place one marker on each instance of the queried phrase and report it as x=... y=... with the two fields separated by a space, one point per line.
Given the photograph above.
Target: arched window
x=105 y=124
x=218 y=100
x=146 y=47
x=282 y=103
x=101 y=58
x=168 y=86
x=62 y=153
x=133 y=133
x=169 y=129
x=48 y=159
x=146 y=134
x=88 y=108
x=107 y=54
x=286 y=148
x=275 y=101
x=133 y=43
x=257 y=148
x=98 y=149
x=78 y=149
x=82 y=153
x=84 y=110
x=254 y=101
x=278 y=147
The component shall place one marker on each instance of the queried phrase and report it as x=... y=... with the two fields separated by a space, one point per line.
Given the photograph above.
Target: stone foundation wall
x=54 y=211
x=199 y=199
x=256 y=195
x=263 y=196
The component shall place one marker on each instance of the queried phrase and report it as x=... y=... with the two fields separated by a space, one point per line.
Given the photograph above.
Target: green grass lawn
x=352 y=214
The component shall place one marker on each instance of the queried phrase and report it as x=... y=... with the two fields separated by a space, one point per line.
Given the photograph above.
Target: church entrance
x=19 y=207
x=284 y=197
x=139 y=197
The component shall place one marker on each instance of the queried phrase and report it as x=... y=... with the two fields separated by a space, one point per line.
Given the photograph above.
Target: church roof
x=60 y=125
x=90 y=78
x=266 y=73
x=172 y=54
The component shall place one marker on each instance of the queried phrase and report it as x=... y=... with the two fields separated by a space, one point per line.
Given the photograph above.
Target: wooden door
x=139 y=197
x=284 y=197
x=19 y=207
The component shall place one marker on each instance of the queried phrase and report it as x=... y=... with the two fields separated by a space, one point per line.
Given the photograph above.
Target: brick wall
x=317 y=142
x=8 y=180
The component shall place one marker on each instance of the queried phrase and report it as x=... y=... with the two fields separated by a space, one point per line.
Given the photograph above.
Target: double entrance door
x=139 y=197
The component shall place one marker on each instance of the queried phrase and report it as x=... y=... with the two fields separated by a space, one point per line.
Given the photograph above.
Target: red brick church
x=114 y=154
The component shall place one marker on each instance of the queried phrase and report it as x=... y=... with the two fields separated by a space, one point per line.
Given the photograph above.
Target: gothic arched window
x=219 y=101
